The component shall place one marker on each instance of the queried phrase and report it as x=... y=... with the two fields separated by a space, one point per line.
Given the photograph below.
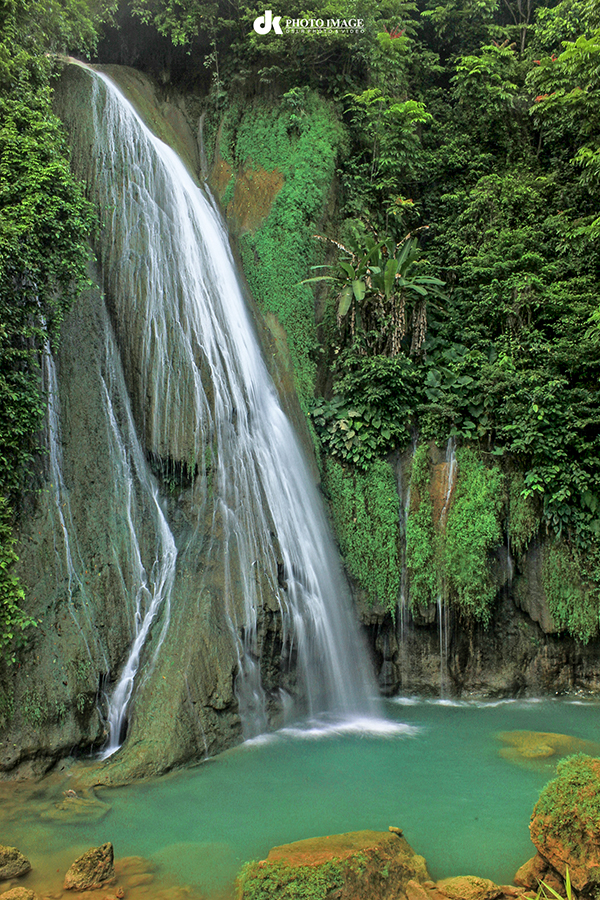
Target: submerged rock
x=91 y=870
x=77 y=809
x=362 y=864
x=12 y=863
x=540 y=749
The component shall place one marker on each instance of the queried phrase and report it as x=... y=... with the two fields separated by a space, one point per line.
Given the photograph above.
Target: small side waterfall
x=152 y=590
x=186 y=388
x=443 y=612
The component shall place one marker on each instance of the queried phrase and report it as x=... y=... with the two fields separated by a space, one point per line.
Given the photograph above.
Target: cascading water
x=204 y=409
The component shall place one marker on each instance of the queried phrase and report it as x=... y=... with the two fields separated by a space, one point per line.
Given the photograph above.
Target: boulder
x=531 y=873
x=362 y=864
x=12 y=863
x=565 y=826
x=469 y=887
x=19 y=893
x=91 y=870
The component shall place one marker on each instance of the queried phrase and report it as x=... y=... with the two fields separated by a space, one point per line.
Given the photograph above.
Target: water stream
x=197 y=401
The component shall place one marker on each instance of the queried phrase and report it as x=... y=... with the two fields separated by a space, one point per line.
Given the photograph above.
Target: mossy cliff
x=427 y=549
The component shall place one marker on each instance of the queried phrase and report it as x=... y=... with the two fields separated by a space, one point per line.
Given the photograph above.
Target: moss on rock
x=359 y=864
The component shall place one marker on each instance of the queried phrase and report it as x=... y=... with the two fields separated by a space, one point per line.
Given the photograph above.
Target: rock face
x=565 y=826
x=373 y=864
x=12 y=863
x=91 y=870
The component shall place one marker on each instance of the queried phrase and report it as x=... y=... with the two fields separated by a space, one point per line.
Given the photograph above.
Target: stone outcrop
x=565 y=825
x=91 y=870
x=12 y=863
x=373 y=864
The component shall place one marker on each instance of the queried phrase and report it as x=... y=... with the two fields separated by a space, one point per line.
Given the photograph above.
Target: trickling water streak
x=202 y=402
x=443 y=612
x=63 y=508
x=153 y=593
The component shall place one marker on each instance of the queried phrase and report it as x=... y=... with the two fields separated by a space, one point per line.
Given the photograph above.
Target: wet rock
x=91 y=870
x=564 y=826
x=469 y=887
x=415 y=891
x=19 y=893
x=531 y=873
x=12 y=863
x=363 y=864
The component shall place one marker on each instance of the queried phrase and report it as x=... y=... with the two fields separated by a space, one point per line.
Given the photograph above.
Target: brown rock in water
x=532 y=872
x=361 y=865
x=91 y=870
x=565 y=826
x=19 y=893
x=12 y=863
x=469 y=887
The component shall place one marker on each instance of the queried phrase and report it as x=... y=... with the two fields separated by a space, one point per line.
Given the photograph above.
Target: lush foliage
x=571 y=583
x=44 y=225
x=421 y=536
x=366 y=514
x=472 y=531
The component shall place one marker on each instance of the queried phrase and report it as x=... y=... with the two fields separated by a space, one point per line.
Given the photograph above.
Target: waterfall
x=197 y=401
x=443 y=612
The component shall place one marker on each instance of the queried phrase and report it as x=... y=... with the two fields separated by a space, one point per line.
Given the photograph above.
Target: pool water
x=433 y=768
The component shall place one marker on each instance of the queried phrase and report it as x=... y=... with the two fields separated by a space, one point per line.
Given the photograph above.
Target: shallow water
x=433 y=768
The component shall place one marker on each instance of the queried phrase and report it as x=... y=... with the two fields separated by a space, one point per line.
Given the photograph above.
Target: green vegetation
x=270 y=881
x=472 y=531
x=45 y=222
x=421 y=538
x=569 y=806
x=572 y=586
x=523 y=518
x=366 y=517
x=299 y=139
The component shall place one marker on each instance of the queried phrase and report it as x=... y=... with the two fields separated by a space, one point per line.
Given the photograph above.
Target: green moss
x=572 y=587
x=472 y=531
x=524 y=522
x=278 y=881
x=421 y=540
x=301 y=142
x=569 y=806
x=366 y=517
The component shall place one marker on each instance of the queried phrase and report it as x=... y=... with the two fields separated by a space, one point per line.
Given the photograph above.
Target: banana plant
x=380 y=288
